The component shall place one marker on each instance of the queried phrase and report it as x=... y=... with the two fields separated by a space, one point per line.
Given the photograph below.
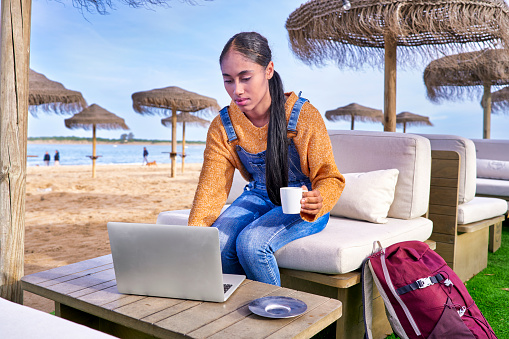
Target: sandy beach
x=67 y=210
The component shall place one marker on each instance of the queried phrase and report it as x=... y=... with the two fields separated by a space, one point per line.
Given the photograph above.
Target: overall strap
x=227 y=124
x=294 y=116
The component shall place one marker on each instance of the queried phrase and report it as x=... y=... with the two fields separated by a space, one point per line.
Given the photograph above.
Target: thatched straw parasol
x=52 y=96
x=500 y=100
x=93 y=117
x=368 y=33
x=407 y=118
x=183 y=118
x=162 y=100
x=355 y=111
x=463 y=75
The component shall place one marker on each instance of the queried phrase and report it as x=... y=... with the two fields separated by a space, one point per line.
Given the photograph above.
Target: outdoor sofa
x=387 y=174
x=492 y=168
x=464 y=226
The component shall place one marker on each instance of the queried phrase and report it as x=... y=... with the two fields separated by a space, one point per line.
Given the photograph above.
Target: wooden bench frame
x=347 y=289
x=463 y=247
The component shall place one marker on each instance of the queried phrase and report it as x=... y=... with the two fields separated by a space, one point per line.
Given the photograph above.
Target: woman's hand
x=311 y=202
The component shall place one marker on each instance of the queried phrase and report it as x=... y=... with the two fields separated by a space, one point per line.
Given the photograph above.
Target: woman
x=275 y=140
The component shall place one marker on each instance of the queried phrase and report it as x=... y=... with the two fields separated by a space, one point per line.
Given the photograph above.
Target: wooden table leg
x=103 y=325
x=495 y=237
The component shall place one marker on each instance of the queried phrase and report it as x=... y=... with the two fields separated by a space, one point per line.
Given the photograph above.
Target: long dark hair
x=256 y=48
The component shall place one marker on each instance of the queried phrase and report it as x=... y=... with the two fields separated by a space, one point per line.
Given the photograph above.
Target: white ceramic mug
x=290 y=199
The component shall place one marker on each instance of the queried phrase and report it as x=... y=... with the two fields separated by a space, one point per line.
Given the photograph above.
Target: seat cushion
x=337 y=249
x=468 y=164
x=493 y=187
x=18 y=321
x=480 y=208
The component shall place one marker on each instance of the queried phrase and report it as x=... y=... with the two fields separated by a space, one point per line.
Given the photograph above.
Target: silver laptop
x=181 y=262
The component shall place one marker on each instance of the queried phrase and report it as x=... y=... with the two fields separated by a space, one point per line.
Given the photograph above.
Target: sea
x=77 y=154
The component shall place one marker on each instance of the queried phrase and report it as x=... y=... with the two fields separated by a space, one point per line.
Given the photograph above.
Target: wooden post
x=390 y=84
x=404 y=127
x=353 y=119
x=15 y=53
x=183 y=144
x=173 y=153
x=486 y=100
x=93 y=150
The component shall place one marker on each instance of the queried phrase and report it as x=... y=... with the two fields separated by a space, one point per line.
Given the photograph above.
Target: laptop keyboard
x=227 y=287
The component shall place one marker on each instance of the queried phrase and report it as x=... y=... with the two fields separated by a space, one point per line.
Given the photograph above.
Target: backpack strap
x=227 y=124
x=367 y=298
x=421 y=283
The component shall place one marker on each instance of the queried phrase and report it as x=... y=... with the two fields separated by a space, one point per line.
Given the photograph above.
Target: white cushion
x=493 y=187
x=480 y=208
x=365 y=151
x=493 y=169
x=468 y=166
x=19 y=321
x=367 y=196
x=336 y=249
x=345 y=243
x=492 y=149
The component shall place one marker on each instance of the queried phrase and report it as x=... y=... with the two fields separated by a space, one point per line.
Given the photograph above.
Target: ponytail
x=276 y=157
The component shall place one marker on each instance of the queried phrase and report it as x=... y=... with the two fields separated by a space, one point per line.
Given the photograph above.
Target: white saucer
x=277 y=307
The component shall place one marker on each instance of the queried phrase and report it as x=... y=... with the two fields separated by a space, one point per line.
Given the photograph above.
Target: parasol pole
x=353 y=119
x=173 y=153
x=404 y=126
x=14 y=69
x=183 y=144
x=390 y=84
x=486 y=99
x=93 y=150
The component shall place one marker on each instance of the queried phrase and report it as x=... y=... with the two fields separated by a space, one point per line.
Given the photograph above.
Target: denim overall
x=252 y=228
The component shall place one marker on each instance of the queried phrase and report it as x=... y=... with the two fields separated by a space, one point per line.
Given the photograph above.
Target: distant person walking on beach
x=46 y=159
x=57 y=158
x=145 y=155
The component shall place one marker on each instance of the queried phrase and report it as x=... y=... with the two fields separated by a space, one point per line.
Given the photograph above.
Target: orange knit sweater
x=221 y=159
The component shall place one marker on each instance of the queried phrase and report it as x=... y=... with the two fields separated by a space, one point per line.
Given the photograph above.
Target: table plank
x=57 y=272
x=206 y=313
x=255 y=326
x=76 y=275
x=93 y=289
x=233 y=317
x=80 y=282
x=148 y=307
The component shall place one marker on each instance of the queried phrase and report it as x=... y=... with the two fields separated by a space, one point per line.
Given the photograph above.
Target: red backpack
x=423 y=296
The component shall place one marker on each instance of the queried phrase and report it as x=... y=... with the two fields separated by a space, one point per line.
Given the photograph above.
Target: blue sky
x=109 y=57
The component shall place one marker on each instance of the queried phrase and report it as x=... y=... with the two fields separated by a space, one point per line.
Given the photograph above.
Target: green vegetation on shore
x=104 y=140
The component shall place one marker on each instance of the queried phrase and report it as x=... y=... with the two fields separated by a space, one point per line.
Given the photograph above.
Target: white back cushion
x=367 y=196
x=468 y=165
x=365 y=151
x=492 y=149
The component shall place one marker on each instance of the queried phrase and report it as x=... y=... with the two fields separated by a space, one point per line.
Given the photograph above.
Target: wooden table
x=86 y=293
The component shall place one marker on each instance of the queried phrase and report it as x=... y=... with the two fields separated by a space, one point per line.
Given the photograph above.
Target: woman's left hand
x=311 y=202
